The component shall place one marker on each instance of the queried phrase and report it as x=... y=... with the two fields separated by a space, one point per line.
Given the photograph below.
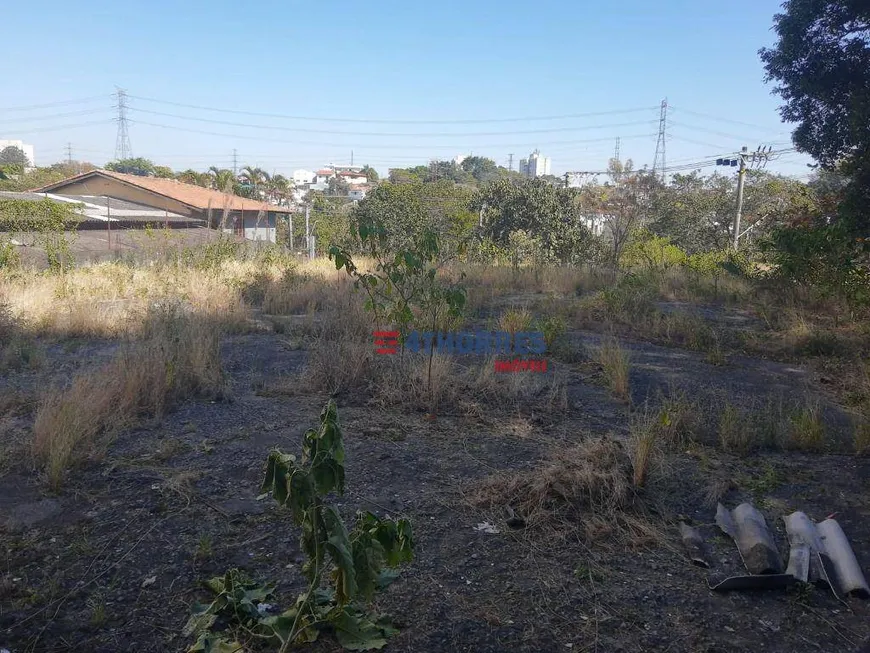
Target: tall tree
x=135 y=166
x=533 y=209
x=370 y=173
x=821 y=65
x=623 y=203
x=14 y=156
x=221 y=179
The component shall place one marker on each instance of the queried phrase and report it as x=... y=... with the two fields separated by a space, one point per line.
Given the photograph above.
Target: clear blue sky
x=391 y=61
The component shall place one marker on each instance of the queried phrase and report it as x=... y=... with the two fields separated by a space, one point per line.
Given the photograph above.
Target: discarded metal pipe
x=747 y=528
x=847 y=576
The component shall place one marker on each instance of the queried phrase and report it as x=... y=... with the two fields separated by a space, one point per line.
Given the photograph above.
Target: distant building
x=352 y=177
x=149 y=196
x=358 y=193
x=536 y=165
x=302 y=177
x=24 y=147
x=459 y=158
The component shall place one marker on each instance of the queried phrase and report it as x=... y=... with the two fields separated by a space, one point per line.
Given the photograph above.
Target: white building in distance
x=536 y=165
x=24 y=147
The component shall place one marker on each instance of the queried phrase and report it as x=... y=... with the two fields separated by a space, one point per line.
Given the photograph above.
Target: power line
x=469 y=121
x=55 y=104
x=380 y=146
x=305 y=130
x=69 y=126
x=714 y=131
x=718 y=119
x=85 y=112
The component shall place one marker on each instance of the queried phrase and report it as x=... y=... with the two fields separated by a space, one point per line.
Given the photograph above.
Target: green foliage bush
x=828 y=258
x=648 y=251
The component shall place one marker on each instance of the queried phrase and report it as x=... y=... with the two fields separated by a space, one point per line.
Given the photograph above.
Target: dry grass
x=734 y=435
x=808 y=428
x=614 y=360
x=515 y=320
x=112 y=299
x=644 y=441
x=179 y=357
x=567 y=489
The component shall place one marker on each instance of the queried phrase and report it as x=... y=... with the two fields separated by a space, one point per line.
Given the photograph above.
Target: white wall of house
x=301 y=177
x=357 y=194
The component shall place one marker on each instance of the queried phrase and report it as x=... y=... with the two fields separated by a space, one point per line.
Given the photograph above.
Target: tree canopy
x=821 y=65
x=14 y=156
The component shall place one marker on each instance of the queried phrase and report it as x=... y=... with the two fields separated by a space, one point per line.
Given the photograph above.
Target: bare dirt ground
x=115 y=560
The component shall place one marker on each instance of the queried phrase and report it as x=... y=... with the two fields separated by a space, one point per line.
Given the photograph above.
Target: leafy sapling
x=343 y=568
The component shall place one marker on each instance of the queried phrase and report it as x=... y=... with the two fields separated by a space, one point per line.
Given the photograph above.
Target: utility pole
x=351 y=158
x=307 y=229
x=662 y=139
x=122 y=140
x=741 y=179
x=235 y=162
x=758 y=158
x=510 y=162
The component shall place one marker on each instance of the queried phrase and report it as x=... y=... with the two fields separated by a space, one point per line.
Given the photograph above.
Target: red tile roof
x=195 y=197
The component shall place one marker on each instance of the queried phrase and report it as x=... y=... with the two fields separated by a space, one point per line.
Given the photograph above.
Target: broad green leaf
x=339 y=548
x=356 y=633
x=208 y=643
x=198 y=623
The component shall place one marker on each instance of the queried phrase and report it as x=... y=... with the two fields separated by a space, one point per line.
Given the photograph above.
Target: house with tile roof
x=248 y=218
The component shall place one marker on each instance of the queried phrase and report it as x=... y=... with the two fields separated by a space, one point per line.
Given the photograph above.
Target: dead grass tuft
x=734 y=436
x=515 y=320
x=808 y=428
x=571 y=487
x=615 y=362
x=179 y=357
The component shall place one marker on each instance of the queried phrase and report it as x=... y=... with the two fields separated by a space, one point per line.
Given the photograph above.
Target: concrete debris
x=759 y=582
x=841 y=566
x=821 y=552
x=747 y=528
x=694 y=545
x=817 y=552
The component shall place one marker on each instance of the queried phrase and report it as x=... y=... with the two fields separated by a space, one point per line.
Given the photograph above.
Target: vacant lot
x=138 y=406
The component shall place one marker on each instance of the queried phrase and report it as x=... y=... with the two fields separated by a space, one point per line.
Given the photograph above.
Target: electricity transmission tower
x=510 y=162
x=122 y=142
x=660 y=160
x=69 y=153
x=235 y=162
x=616 y=150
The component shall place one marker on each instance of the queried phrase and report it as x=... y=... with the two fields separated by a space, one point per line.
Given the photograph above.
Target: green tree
x=195 y=178
x=546 y=214
x=481 y=169
x=624 y=203
x=337 y=187
x=221 y=179
x=821 y=64
x=252 y=182
x=14 y=156
x=164 y=172
x=370 y=173
x=407 y=210
x=135 y=166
